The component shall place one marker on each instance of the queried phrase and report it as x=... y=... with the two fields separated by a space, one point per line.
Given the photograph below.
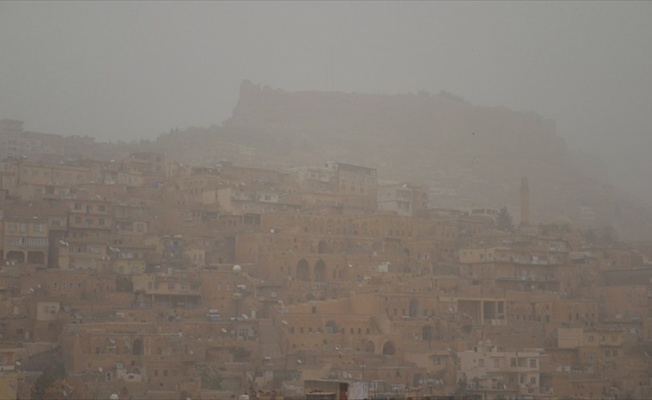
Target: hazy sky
x=122 y=70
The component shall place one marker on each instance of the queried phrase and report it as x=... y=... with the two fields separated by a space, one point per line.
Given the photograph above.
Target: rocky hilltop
x=478 y=153
x=471 y=155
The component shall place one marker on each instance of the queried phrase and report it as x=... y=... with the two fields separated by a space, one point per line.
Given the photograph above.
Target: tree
x=504 y=221
x=124 y=284
x=211 y=376
x=462 y=386
x=51 y=378
x=63 y=389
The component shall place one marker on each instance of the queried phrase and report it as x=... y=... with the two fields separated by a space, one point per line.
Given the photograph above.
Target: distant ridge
x=414 y=137
x=475 y=155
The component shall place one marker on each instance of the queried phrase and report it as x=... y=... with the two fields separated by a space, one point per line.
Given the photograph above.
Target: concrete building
x=499 y=373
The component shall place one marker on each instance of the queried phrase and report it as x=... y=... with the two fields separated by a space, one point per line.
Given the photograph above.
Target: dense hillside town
x=140 y=277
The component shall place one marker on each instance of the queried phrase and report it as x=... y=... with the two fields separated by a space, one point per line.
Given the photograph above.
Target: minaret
x=525 y=202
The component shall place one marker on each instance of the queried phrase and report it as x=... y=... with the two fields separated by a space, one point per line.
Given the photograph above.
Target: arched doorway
x=320 y=271
x=389 y=349
x=303 y=270
x=16 y=256
x=331 y=327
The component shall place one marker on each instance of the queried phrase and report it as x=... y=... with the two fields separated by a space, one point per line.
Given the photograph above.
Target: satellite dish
x=237 y=268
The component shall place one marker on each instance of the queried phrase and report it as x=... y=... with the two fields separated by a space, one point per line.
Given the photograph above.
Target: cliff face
x=441 y=120
x=479 y=152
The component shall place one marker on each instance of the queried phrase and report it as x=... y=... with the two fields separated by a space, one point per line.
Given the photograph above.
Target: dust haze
x=131 y=71
x=325 y=200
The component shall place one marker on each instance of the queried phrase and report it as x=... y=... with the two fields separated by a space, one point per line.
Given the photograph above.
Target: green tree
x=48 y=381
x=211 y=376
x=504 y=221
x=462 y=383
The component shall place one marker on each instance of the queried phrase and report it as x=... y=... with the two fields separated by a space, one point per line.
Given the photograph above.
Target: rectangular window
x=533 y=362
